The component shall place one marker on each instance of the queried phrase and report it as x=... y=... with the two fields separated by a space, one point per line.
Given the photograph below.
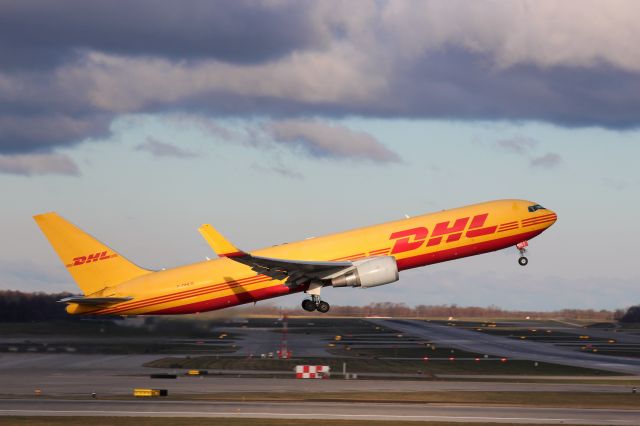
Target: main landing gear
x=522 y=248
x=315 y=304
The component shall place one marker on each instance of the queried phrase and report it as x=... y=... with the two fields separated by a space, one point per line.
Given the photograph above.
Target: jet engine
x=369 y=273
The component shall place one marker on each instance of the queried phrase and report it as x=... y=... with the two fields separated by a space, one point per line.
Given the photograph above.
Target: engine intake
x=369 y=273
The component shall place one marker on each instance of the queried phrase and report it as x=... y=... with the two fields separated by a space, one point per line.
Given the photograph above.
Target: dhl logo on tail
x=94 y=257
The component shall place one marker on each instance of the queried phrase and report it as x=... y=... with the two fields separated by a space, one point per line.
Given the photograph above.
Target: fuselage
x=417 y=241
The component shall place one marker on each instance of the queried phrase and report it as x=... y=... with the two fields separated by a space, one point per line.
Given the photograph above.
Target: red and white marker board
x=312 y=371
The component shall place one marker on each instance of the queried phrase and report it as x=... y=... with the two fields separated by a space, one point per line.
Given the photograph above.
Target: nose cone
x=553 y=216
x=539 y=216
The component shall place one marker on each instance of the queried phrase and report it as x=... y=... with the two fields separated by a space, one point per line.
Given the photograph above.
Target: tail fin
x=92 y=264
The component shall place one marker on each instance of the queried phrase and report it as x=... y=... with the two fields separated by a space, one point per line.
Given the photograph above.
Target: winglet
x=218 y=243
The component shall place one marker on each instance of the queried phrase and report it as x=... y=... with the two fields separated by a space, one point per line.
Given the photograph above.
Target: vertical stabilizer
x=92 y=264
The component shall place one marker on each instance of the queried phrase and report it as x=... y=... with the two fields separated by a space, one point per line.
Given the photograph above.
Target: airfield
x=398 y=370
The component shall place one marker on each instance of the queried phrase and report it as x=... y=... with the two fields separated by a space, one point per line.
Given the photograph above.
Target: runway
x=319 y=410
x=471 y=341
x=257 y=341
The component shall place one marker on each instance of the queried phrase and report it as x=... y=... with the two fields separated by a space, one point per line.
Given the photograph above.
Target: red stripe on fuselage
x=185 y=294
x=546 y=216
x=227 y=301
x=525 y=225
x=351 y=256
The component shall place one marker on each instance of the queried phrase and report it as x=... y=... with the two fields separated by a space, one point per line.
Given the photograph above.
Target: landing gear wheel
x=308 y=305
x=523 y=261
x=323 y=307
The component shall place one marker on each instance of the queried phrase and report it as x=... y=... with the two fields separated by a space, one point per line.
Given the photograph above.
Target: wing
x=294 y=272
x=94 y=301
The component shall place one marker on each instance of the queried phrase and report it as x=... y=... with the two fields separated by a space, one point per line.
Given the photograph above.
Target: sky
x=278 y=120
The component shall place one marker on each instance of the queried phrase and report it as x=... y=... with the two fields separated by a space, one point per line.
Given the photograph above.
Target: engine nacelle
x=369 y=273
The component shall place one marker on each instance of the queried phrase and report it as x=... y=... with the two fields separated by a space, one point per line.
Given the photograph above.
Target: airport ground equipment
x=148 y=393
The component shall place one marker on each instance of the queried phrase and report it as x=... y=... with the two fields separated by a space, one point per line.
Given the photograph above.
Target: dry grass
x=174 y=421
x=535 y=399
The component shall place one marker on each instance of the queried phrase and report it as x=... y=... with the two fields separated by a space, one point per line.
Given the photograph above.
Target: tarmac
x=320 y=410
x=456 y=337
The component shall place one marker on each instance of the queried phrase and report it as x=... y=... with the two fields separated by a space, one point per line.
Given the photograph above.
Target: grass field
x=530 y=399
x=195 y=421
x=586 y=400
x=370 y=365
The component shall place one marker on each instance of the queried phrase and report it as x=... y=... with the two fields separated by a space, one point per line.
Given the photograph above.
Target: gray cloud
x=619 y=184
x=550 y=160
x=69 y=68
x=520 y=145
x=279 y=169
x=526 y=147
x=311 y=137
x=333 y=141
x=38 y=164
x=163 y=149
x=37 y=33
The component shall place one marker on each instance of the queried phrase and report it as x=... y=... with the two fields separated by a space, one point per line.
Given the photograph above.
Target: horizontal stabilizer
x=94 y=301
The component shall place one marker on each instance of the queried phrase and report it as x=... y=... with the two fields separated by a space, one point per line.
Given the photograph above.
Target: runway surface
x=515 y=349
x=257 y=341
x=319 y=410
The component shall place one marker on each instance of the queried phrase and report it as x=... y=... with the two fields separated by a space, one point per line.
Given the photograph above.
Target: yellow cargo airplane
x=364 y=257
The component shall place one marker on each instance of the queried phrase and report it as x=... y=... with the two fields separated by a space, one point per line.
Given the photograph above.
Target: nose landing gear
x=522 y=248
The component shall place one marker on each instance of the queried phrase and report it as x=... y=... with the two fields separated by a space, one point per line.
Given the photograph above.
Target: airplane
x=365 y=257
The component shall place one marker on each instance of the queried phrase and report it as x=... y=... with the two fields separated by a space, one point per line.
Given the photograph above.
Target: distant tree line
x=631 y=315
x=16 y=306
x=392 y=309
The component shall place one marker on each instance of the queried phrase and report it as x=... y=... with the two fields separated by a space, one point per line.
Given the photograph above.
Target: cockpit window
x=535 y=208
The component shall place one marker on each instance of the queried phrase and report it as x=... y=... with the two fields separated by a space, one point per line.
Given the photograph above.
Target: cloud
x=241 y=31
x=571 y=63
x=331 y=141
x=38 y=164
x=311 y=137
x=279 y=169
x=520 y=145
x=619 y=184
x=162 y=149
x=526 y=147
x=548 y=161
